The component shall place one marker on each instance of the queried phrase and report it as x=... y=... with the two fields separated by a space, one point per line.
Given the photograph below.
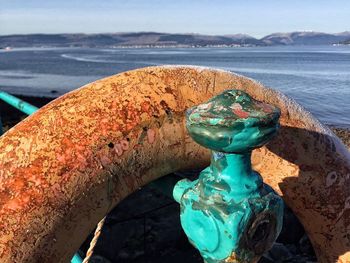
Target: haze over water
x=317 y=77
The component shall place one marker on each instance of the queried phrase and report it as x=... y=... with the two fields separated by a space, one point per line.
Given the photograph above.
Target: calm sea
x=317 y=77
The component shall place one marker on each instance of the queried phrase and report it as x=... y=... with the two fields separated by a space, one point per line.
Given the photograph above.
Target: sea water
x=316 y=77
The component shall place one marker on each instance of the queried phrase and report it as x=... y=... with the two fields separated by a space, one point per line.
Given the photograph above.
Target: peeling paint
x=229 y=203
x=331 y=178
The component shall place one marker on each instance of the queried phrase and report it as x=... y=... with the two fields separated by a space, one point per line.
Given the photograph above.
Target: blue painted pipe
x=76 y=259
x=23 y=106
x=28 y=109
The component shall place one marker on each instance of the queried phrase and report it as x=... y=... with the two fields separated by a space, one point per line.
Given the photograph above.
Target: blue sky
x=254 y=17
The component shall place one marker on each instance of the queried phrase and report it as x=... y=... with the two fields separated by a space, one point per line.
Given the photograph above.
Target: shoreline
x=156 y=46
x=10 y=116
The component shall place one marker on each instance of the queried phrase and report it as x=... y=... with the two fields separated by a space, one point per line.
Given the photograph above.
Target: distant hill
x=123 y=39
x=305 y=38
x=152 y=39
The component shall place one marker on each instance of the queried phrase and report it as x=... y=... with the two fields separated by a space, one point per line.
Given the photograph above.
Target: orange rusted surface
x=63 y=168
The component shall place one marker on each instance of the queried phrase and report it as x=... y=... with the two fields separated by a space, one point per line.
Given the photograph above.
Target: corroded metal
x=28 y=109
x=64 y=167
x=228 y=214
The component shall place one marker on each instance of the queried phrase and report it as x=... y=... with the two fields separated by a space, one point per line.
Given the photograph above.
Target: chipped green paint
x=228 y=214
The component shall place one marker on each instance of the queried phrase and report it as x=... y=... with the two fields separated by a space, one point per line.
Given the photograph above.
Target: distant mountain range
x=305 y=38
x=154 y=39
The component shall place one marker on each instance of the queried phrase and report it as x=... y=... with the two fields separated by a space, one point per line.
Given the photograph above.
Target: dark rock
x=265 y=259
x=293 y=248
x=279 y=253
x=292 y=229
x=98 y=259
x=145 y=228
x=305 y=246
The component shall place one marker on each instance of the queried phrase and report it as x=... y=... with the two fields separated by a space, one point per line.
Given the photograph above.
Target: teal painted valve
x=228 y=214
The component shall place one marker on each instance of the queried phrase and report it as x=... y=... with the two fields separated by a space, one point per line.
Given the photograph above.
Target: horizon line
x=188 y=33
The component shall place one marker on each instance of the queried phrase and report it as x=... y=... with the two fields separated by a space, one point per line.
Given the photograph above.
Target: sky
x=215 y=17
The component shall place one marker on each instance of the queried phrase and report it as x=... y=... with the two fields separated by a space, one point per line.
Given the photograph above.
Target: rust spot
x=118 y=149
x=111 y=145
x=151 y=135
x=232 y=258
x=124 y=144
x=168 y=90
x=175 y=144
x=146 y=107
x=165 y=107
x=241 y=113
x=137 y=146
x=331 y=178
x=13 y=204
x=105 y=161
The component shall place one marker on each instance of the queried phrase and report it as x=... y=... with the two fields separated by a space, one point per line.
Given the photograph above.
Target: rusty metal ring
x=63 y=168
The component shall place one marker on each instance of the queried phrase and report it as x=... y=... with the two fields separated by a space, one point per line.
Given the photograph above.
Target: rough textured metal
x=228 y=214
x=28 y=109
x=64 y=167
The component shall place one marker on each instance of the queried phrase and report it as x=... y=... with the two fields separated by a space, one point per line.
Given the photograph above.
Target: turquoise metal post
x=17 y=103
x=28 y=109
x=228 y=214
